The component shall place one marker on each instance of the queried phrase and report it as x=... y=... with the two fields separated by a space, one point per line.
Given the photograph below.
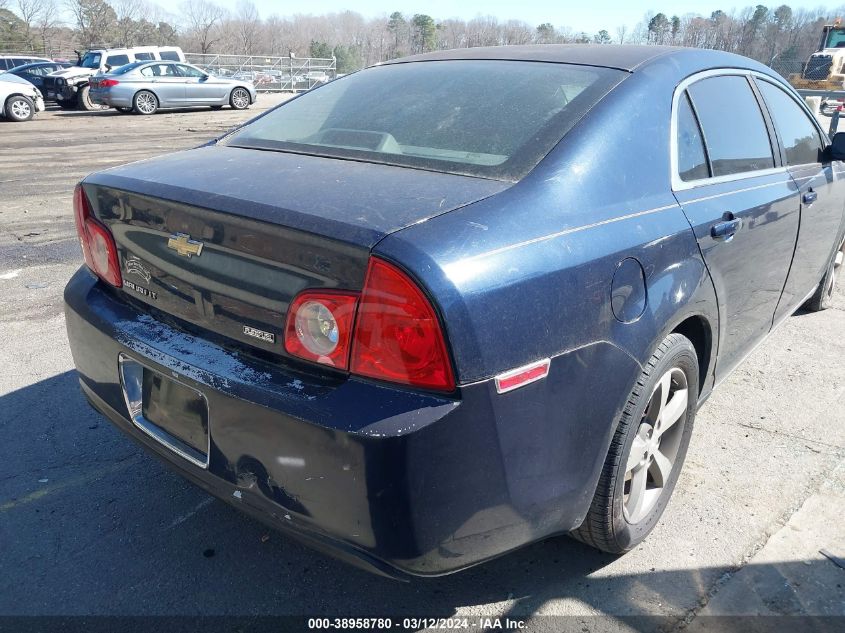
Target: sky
x=580 y=16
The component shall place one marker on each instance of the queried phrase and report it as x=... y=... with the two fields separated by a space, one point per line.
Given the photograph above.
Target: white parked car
x=19 y=99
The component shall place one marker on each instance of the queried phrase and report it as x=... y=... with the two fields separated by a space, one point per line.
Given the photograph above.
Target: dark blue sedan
x=438 y=309
x=35 y=72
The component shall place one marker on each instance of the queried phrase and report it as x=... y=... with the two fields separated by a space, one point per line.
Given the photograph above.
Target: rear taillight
x=107 y=83
x=319 y=327
x=396 y=334
x=97 y=243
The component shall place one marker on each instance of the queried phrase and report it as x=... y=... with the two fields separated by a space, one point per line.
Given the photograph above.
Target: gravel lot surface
x=89 y=524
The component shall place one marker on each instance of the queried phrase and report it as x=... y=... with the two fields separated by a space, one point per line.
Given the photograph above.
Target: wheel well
x=12 y=96
x=140 y=90
x=242 y=88
x=697 y=330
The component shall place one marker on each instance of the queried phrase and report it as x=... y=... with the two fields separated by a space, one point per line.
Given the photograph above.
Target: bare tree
x=95 y=20
x=248 y=27
x=621 y=33
x=203 y=20
x=29 y=12
x=48 y=21
x=129 y=15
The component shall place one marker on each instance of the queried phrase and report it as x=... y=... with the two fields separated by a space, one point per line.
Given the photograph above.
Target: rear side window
x=117 y=60
x=159 y=70
x=144 y=56
x=172 y=56
x=692 y=161
x=799 y=136
x=733 y=126
x=188 y=71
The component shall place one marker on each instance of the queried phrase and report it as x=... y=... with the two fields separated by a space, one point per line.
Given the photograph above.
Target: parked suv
x=69 y=87
x=8 y=62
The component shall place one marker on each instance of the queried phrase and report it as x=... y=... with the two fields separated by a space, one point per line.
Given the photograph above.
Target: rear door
x=167 y=84
x=741 y=202
x=822 y=196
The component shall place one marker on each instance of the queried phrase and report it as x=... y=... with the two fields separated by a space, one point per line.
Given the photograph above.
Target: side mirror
x=107 y=68
x=836 y=149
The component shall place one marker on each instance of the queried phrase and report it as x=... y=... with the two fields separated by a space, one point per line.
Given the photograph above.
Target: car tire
x=646 y=444
x=240 y=99
x=67 y=104
x=83 y=100
x=144 y=102
x=823 y=295
x=19 y=108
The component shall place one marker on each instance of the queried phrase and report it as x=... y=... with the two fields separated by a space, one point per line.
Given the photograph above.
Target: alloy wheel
x=240 y=99
x=146 y=103
x=655 y=446
x=21 y=109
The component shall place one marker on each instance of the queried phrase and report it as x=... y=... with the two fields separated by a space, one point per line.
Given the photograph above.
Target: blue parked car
x=438 y=309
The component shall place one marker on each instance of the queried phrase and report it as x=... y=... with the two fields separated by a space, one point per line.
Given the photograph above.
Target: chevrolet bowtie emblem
x=184 y=245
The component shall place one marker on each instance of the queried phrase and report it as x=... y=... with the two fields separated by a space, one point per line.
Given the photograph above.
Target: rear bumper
x=110 y=98
x=399 y=482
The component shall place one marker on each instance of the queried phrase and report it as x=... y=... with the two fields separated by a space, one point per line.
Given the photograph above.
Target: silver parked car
x=144 y=87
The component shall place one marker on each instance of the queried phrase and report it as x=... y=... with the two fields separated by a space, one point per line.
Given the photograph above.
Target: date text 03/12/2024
x=417 y=623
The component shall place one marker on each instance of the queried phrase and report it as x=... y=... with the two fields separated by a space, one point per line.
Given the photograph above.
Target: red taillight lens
x=97 y=243
x=319 y=327
x=107 y=83
x=397 y=333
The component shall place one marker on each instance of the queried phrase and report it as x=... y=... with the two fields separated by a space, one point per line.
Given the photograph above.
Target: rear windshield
x=488 y=118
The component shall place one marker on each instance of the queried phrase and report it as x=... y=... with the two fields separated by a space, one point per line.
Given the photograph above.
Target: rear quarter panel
x=527 y=274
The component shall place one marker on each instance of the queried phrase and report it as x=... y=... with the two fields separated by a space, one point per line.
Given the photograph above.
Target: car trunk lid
x=224 y=238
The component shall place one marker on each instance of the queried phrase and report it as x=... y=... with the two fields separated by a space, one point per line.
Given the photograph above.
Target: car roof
x=25 y=56
x=623 y=57
x=35 y=64
x=142 y=49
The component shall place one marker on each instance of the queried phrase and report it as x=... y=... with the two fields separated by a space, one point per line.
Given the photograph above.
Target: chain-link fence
x=269 y=74
x=785 y=68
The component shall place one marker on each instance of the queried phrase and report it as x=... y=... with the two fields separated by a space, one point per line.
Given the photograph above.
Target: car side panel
x=820 y=230
x=748 y=270
x=211 y=91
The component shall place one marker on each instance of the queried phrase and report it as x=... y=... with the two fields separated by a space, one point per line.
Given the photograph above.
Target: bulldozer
x=825 y=69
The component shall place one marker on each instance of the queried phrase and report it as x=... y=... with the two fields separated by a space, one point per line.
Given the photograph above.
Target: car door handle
x=726 y=230
x=809 y=196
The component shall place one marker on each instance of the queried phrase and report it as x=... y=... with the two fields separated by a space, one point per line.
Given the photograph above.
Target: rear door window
x=188 y=71
x=692 y=161
x=144 y=56
x=159 y=70
x=799 y=135
x=734 y=129
x=172 y=56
